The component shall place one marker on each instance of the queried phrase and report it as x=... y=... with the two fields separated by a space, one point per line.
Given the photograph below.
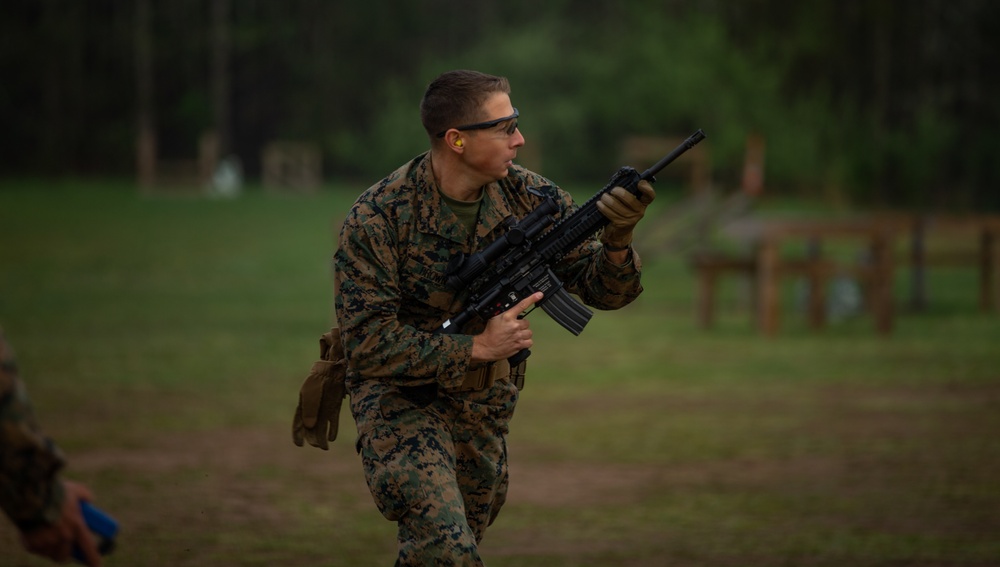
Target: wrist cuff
x=628 y=259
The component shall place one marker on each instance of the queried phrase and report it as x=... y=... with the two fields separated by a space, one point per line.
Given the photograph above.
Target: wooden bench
x=766 y=266
x=288 y=166
x=818 y=272
x=978 y=237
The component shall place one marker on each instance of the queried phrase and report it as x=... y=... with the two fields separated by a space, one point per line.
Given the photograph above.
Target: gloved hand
x=317 y=417
x=623 y=210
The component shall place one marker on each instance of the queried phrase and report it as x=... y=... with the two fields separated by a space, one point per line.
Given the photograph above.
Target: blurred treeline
x=882 y=102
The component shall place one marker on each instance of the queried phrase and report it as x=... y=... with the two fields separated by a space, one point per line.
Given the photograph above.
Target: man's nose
x=517 y=139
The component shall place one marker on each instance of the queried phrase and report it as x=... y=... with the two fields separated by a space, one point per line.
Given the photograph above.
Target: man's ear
x=453 y=139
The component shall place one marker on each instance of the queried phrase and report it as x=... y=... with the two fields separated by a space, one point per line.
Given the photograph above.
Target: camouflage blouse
x=30 y=493
x=390 y=264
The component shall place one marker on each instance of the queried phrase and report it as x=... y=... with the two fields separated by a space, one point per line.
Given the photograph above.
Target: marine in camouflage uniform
x=431 y=432
x=30 y=491
x=44 y=507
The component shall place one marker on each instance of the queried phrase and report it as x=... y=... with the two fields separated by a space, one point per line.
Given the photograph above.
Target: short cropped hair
x=457 y=97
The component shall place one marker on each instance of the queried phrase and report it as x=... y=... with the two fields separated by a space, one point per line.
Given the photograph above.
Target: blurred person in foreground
x=432 y=410
x=44 y=507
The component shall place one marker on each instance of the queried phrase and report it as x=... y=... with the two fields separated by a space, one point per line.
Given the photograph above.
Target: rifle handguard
x=521 y=262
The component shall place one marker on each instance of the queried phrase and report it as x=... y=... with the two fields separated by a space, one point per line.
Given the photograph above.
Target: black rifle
x=519 y=263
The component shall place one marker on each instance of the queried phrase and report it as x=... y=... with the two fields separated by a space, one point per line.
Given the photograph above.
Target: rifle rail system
x=519 y=263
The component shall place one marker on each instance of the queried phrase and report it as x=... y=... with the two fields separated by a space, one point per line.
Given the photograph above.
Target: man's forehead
x=498 y=106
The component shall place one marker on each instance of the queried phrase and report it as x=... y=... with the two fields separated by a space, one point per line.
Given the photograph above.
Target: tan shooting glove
x=317 y=416
x=623 y=210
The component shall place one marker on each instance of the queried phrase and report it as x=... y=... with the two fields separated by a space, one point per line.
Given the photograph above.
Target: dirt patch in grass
x=905 y=464
x=238 y=473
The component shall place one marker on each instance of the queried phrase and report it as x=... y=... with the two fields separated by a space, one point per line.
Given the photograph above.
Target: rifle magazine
x=566 y=311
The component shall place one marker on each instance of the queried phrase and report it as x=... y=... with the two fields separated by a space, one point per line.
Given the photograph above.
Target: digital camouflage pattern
x=435 y=460
x=390 y=268
x=440 y=470
x=29 y=462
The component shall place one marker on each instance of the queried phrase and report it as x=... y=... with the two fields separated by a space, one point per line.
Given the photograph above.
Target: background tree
x=886 y=103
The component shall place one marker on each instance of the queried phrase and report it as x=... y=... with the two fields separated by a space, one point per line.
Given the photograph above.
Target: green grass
x=164 y=340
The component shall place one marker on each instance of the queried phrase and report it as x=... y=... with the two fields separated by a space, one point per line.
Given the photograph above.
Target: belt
x=483 y=377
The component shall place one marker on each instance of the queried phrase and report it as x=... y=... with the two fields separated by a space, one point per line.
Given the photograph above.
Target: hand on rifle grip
x=519 y=357
x=506 y=334
x=623 y=211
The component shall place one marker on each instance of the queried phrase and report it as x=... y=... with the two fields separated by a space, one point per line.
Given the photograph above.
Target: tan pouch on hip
x=317 y=416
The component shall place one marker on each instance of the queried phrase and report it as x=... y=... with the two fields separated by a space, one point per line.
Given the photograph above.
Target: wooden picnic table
x=877 y=233
x=980 y=234
x=769 y=236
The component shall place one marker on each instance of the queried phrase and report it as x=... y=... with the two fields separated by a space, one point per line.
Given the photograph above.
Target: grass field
x=164 y=340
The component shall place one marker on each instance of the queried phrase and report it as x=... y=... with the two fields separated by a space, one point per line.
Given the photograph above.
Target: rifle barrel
x=685 y=146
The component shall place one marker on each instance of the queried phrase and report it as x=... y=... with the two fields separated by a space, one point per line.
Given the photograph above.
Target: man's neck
x=453 y=180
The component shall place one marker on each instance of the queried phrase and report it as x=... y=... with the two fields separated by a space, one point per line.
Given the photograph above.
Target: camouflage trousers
x=436 y=464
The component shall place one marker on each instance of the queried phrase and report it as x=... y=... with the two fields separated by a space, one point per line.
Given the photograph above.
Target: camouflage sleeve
x=30 y=491
x=589 y=274
x=599 y=282
x=368 y=296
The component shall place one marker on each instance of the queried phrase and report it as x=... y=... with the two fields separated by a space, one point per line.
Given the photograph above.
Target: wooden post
x=209 y=154
x=220 y=75
x=817 y=295
x=918 y=267
x=768 y=300
x=989 y=270
x=145 y=138
x=816 y=278
x=752 y=180
x=882 y=282
x=706 y=297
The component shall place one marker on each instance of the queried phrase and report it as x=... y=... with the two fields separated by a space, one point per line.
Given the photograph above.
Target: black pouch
x=420 y=396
